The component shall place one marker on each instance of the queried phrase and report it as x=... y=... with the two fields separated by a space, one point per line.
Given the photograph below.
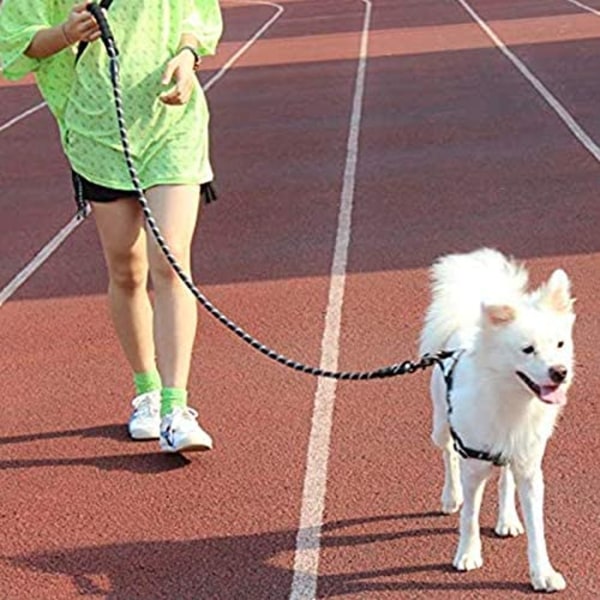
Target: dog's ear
x=499 y=314
x=556 y=292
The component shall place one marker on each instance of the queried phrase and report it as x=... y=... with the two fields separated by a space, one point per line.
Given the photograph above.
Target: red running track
x=457 y=150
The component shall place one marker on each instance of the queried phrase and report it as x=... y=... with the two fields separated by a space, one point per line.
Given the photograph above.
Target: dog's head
x=530 y=339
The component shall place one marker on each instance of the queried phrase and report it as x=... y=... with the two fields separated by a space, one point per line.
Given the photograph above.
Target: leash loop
x=403 y=368
x=106 y=34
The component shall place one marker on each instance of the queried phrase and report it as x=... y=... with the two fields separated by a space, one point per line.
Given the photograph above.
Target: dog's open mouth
x=550 y=394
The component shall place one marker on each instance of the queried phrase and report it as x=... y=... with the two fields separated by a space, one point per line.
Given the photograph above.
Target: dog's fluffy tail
x=461 y=283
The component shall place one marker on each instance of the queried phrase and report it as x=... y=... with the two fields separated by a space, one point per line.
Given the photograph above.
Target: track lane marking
x=308 y=539
x=50 y=247
x=577 y=130
x=585 y=7
x=257 y=34
x=40 y=258
x=21 y=116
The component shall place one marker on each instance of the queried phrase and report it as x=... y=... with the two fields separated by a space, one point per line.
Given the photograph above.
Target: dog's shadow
x=227 y=567
x=245 y=566
x=403 y=578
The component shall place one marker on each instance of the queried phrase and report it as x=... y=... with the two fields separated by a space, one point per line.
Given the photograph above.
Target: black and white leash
x=402 y=368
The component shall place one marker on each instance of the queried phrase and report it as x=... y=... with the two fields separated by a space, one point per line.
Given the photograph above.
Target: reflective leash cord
x=390 y=371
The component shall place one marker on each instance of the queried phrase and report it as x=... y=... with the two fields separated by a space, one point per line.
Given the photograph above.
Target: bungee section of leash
x=402 y=368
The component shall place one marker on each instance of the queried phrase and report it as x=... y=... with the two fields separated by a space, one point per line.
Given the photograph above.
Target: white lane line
x=308 y=539
x=21 y=116
x=576 y=129
x=585 y=7
x=279 y=10
x=40 y=258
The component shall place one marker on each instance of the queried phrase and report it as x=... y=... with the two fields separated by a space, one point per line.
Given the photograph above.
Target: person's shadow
x=112 y=431
x=245 y=567
x=141 y=463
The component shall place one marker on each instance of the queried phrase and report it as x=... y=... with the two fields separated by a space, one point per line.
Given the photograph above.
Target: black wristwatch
x=195 y=53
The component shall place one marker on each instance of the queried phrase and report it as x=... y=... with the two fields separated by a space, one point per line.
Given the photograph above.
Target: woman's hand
x=181 y=70
x=80 y=25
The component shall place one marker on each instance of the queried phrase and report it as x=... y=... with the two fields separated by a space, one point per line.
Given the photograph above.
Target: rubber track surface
x=456 y=151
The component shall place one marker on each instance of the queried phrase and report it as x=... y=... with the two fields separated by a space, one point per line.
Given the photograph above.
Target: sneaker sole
x=141 y=436
x=186 y=448
x=190 y=446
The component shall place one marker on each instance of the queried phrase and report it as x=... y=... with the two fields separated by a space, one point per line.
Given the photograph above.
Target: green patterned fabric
x=169 y=143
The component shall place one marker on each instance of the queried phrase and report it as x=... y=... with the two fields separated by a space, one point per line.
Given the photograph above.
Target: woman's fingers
x=179 y=94
x=81 y=25
x=93 y=36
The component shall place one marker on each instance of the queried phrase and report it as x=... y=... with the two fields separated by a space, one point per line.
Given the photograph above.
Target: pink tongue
x=553 y=395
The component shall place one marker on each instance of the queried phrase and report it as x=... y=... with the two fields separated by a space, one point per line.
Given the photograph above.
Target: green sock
x=147 y=382
x=171 y=398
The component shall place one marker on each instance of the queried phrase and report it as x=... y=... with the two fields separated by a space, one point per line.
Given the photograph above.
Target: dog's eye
x=560 y=344
x=529 y=350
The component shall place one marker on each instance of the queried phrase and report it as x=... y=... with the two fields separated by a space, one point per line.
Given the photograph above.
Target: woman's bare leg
x=175 y=208
x=123 y=239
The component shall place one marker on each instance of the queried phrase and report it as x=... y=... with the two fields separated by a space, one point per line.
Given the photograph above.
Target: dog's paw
x=451 y=502
x=509 y=527
x=451 y=506
x=467 y=561
x=548 y=581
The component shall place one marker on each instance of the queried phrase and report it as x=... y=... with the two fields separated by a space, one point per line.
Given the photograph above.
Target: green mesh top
x=169 y=143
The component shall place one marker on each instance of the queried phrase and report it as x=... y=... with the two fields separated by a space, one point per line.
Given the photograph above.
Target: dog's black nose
x=558 y=373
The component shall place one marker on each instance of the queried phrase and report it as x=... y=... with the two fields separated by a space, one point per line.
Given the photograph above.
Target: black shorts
x=92 y=192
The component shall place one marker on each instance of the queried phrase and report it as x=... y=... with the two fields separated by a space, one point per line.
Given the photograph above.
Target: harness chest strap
x=464 y=451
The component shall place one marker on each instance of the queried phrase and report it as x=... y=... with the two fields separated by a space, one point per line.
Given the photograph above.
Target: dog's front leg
x=508 y=523
x=440 y=435
x=474 y=474
x=530 y=485
x=452 y=492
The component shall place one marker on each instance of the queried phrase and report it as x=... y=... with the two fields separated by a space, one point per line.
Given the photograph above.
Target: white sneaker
x=144 y=423
x=180 y=432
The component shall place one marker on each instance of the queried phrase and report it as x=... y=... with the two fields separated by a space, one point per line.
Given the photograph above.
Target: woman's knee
x=162 y=272
x=120 y=225
x=127 y=271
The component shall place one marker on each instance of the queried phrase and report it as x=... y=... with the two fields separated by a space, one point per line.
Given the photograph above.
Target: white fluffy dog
x=498 y=399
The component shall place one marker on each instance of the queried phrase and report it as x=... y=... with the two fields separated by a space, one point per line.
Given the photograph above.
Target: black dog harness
x=464 y=451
